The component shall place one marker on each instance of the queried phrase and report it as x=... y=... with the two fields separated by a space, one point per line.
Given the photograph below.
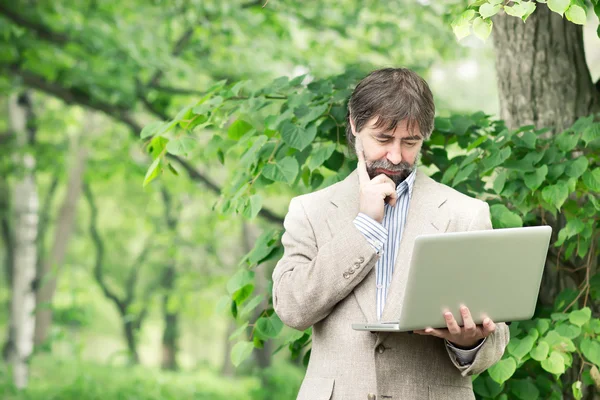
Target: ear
x=352 y=127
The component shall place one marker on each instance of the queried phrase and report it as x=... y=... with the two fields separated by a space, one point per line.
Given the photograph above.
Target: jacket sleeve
x=493 y=348
x=310 y=280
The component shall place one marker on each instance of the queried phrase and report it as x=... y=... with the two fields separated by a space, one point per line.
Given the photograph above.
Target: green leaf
x=577 y=393
x=573 y=227
x=503 y=370
x=534 y=180
x=568 y=330
x=482 y=28
x=319 y=156
x=559 y=6
x=157 y=145
x=251 y=305
x=496 y=158
x=488 y=10
x=153 y=171
x=504 y=218
x=529 y=8
x=580 y=317
x=296 y=137
x=519 y=348
x=461 y=26
x=577 y=167
x=238 y=129
x=559 y=316
x=500 y=181
x=240 y=352
x=151 y=129
x=591 y=133
x=554 y=364
x=576 y=14
x=542 y=325
x=314 y=113
x=524 y=389
x=557 y=194
x=239 y=331
x=284 y=170
x=591 y=179
x=253 y=206
x=463 y=174
x=269 y=327
x=591 y=350
x=540 y=352
x=486 y=387
x=251 y=155
x=181 y=145
x=567 y=141
x=241 y=278
x=449 y=174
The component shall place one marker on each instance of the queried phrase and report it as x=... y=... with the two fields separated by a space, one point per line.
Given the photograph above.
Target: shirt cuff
x=465 y=357
x=372 y=230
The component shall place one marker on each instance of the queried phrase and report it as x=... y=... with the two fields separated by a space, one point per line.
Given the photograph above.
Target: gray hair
x=392 y=95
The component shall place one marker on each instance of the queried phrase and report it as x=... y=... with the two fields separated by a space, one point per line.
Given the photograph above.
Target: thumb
x=393 y=199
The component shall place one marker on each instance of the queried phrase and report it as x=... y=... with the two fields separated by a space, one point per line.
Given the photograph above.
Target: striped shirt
x=385 y=239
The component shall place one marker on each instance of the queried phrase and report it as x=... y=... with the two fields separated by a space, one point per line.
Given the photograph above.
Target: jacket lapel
x=425 y=215
x=344 y=207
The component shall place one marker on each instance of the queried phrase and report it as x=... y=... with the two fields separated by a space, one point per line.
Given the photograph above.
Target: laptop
x=496 y=273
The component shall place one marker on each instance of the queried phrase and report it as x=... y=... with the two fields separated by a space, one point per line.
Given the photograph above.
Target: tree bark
x=7 y=235
x=543 y=78
x=171 y=317
x=130 y=329
x=51 y=266
x=25 y=200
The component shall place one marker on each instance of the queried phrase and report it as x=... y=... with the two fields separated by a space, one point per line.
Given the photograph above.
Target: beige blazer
x=311 y=288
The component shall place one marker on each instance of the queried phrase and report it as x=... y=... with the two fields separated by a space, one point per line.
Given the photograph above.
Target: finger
x=385 y=190
x=451 y=323
x=440 y=333
x=363 y=175
x=488 y=327
x=468 y=323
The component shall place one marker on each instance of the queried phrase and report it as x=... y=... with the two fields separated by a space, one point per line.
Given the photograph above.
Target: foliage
x=292 y=133
x=478 y=15
x=71 y=380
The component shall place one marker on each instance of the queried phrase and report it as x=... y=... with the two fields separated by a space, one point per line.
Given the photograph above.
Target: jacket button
x=346 y=275
x=380 y=349
x=371 y=396
x=351 y=271
x=361 y=259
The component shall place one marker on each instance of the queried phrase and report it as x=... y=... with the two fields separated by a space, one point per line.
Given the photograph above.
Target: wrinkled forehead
x=406 y=128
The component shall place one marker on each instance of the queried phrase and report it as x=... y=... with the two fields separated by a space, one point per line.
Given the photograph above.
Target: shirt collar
x=408 y=182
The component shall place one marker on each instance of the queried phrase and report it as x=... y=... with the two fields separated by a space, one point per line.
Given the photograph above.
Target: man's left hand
x=467 y=336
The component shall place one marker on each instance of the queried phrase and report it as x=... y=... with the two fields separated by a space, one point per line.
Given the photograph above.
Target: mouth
x=385 y=171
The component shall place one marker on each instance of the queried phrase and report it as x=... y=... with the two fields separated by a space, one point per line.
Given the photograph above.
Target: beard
x=401 y=170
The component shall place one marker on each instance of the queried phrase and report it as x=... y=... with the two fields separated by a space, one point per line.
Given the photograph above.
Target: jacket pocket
x=444 y=392
x=316 y=389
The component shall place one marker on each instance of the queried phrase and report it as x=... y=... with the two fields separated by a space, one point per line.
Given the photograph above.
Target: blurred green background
x=141 y=309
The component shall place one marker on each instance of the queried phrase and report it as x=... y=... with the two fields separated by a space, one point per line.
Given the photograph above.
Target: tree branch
x=42 y=31
x=135 y=269
x=99 y=244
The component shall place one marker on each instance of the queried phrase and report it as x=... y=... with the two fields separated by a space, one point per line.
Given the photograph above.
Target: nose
x=394 y=155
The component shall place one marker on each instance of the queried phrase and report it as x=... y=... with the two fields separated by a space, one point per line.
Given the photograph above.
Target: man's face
x=394 y=154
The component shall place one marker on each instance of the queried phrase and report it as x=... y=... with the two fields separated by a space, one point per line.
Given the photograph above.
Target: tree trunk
x=47 y=277
x=171 y=330
x=25 y=202
x=8 y=240
x=130 y=329
x=543 y=80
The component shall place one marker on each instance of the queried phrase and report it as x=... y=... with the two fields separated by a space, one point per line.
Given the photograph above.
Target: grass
x=69 y=380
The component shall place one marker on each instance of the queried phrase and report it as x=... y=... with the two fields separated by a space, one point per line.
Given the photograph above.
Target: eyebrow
x=386 y=136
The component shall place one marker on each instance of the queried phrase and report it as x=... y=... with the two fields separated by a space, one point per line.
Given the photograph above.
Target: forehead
x=403 y=129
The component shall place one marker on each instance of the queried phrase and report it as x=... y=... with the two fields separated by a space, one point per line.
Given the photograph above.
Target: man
x=347 y=253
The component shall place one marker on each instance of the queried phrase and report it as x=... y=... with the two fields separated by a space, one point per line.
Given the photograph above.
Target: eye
x=410 y=144
x=382 y=140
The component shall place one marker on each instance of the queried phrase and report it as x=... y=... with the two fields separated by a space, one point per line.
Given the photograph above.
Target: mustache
x=385 y=164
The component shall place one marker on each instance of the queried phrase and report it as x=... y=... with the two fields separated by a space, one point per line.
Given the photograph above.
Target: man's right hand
x=373 y=192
